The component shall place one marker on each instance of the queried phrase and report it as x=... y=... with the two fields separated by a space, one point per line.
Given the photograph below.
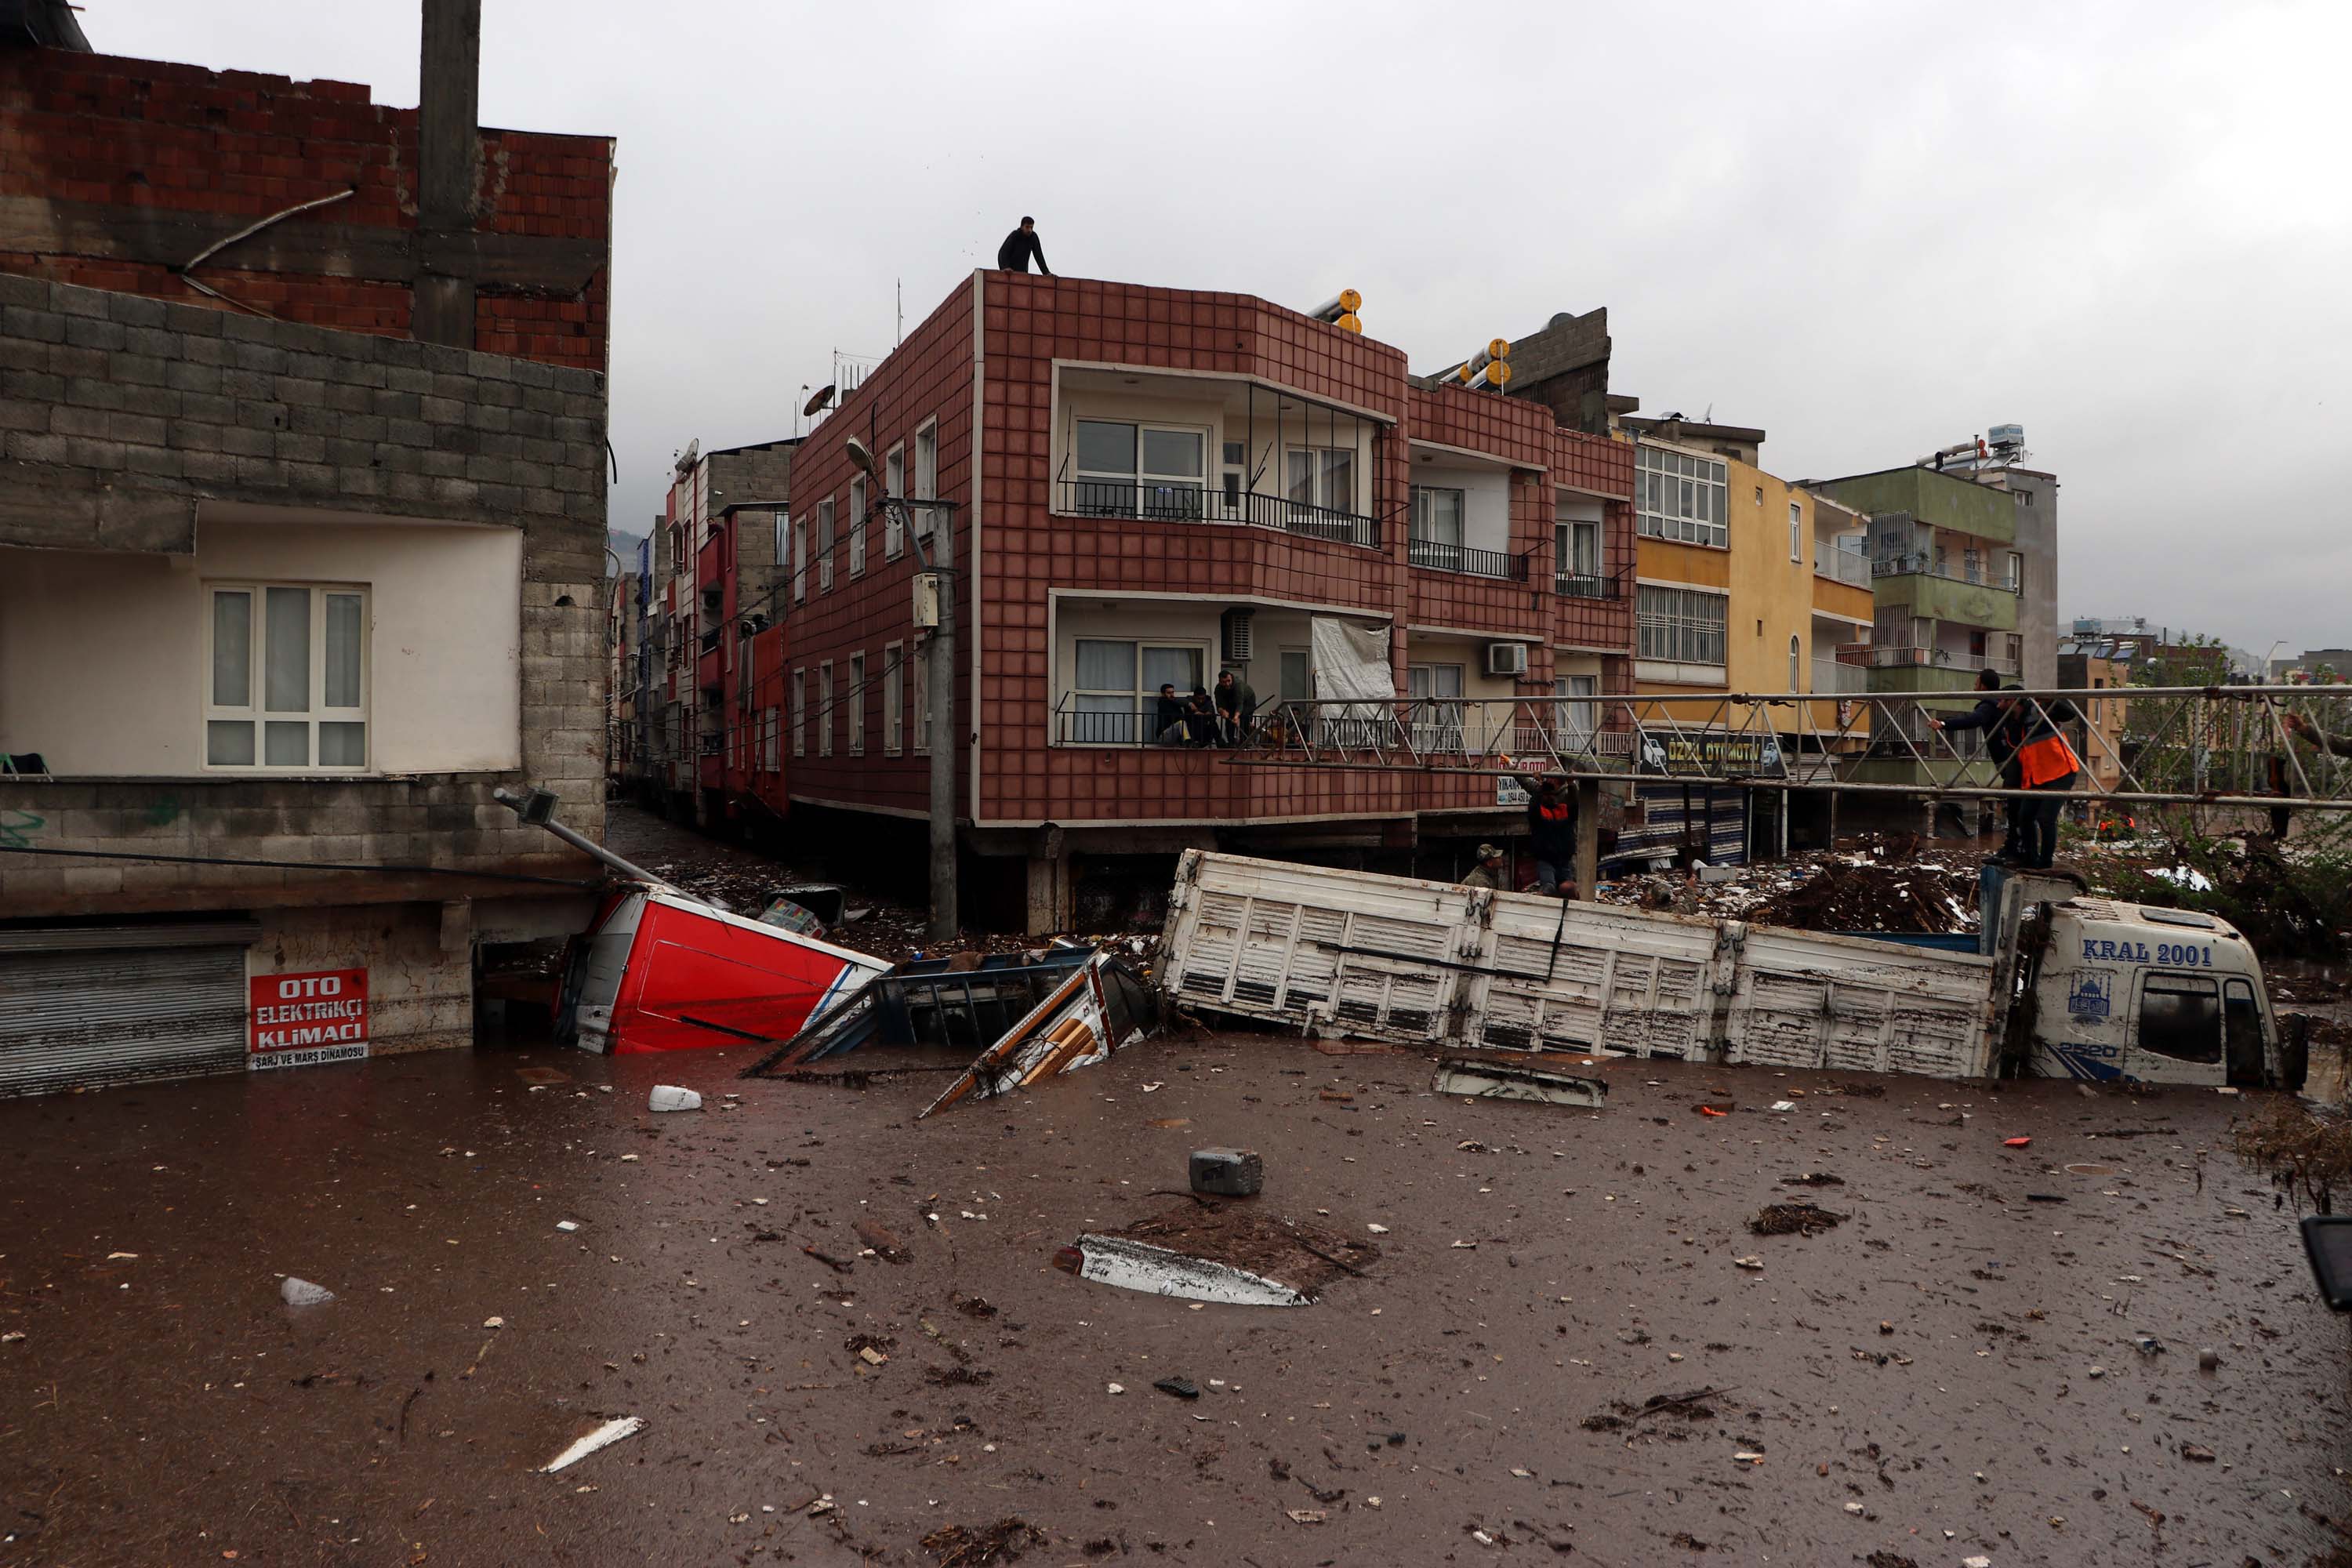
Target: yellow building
x=1746 y=584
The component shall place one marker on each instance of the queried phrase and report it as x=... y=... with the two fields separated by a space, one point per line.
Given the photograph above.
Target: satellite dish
x=818 y=403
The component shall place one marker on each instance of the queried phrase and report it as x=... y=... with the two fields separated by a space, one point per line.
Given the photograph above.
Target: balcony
x=1588 y=586
x=1891 y=655
x=1153 y=502
x=1437 y=555
x=1913 y=582
x=1840 y=564
x=1838 y=679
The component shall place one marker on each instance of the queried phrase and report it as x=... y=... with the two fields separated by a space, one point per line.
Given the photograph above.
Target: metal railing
x=1920 y=564
x=1147 y=502
x=1897 y=656
x=1101 y=725
x=1843 y=564
x=1438 y=555
x=1838 y=678
x=1589 y=586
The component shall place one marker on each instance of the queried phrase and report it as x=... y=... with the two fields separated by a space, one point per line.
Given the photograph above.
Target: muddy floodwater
x=1952 y=1368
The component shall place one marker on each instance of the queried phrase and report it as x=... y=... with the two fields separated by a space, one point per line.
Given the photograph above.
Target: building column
x=1047 y=907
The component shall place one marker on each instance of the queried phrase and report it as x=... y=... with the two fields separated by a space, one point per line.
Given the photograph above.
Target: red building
x=1152 y=484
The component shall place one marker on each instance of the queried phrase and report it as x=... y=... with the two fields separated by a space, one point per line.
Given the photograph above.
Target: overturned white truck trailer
x=2077 y=986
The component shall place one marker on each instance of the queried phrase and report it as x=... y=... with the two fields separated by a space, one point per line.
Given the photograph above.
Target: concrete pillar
x=1588 y=836
x=1047 y=907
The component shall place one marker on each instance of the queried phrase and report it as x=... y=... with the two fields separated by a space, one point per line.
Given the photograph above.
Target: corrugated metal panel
x=84 y=1018
x=80 y=938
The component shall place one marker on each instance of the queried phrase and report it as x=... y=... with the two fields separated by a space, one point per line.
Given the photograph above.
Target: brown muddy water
x=1951 y=1370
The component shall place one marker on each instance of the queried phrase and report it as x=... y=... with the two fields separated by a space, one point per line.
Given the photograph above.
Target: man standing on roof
x=1019 y=247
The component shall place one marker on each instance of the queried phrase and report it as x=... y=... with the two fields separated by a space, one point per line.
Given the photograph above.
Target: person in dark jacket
x=1551 y=835
x=1020 y=247
x=2339 y=744
x=1236 y=706
x=2046 y=766
x=1200 y=718
x=2003 y=725
x=1168 y=717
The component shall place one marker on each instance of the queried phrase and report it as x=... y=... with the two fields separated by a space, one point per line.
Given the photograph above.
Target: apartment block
x=284 y=597
x=1136 y=486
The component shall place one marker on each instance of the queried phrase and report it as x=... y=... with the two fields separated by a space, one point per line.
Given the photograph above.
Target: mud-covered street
x=1955 y=1370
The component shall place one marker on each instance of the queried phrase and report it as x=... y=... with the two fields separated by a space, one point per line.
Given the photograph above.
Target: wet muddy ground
x=1950 y=1371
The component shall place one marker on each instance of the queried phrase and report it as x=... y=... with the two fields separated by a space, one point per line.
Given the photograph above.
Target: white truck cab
x=2136 y=994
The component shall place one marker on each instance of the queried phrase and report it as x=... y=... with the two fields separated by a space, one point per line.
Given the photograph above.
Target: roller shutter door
x=77 y=1011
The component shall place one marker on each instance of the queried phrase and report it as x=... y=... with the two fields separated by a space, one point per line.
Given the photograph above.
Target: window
x=800 y=561
x=1321 y=477
x=1680 y=624
x=1436 y=530
x=1436 y=693
x=1115 y=697
x=894 y=488
x=1139 y=471
x=769 y=731
x=824 y=510
x=2014 y=571
x=800 y=712
x=783 y=555
x=858 y=528
x=2241 y=1025
x=1796 y=536
x=1796 y=668
x=825 y=709
x=894 y=698
x=1678 y=496
x=289 y=680
x=1298 y=675
x=1573 y=720
x=2012 y=652
x=927 y=475
x=2181 y=1017
x=920 y=666
x=857 y=704
x=1578 y=545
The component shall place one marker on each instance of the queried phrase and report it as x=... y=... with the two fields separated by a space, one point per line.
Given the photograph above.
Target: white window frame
x=800 y=559
x=1674 y=625
x=920 y=667
x=1575 y=714
x=1149 y=490
x=2014 y=571
x=799 y=711
x=1796 y=663
x=1796 y=536
x=1436 y=726
x=1143 y=702
x=894 y=488
x=857 y=704
x=1680 y=496
x=858 y=528
x=770 y=729
x=825 y=708
x=1321 y=492
x=893 y=698
x=927 y=473
x=253 y=711
x=1422 y=545
x=824 y=521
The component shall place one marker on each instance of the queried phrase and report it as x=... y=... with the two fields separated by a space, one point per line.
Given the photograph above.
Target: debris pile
x=1852 y=894
x=1794 y=1220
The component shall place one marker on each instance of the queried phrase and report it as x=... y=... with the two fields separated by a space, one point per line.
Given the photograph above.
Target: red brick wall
x=99 y=130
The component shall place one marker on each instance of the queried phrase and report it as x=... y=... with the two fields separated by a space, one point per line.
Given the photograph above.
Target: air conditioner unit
x=1236 y=625
x=1506 y=658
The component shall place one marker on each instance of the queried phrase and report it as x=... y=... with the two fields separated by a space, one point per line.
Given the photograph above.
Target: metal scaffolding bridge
x=2232 y=746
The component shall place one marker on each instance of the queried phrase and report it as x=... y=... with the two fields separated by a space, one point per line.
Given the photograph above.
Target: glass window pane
x=1180 y=665
x=1301 y=486
x=343 y=745
x=229 y=742
x=1297 y=680
x=343 y=632
x=233 y=654
x=286 y=650
x=1106 y=666
x=1106 y=449
x=285 y=744
x=1339 y=480
x=1172 y=452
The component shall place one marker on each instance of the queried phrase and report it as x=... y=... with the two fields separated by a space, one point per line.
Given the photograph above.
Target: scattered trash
x=2207 y=1358
x=604 y=1436
x=303 y=1293
x=112 y=1256
x=1709 y=1111
x=567 y=1225
x=1307 y=1515
x=968 y=1546
x=871 y=1356
x=1102 y=1006
x=669 y=1097
x=2015 y=1142
x=1979 y=1560
x=1793 y=1219
x=1161 y=1271
x=12 y=1336
x=1747 y=1456
x=1749 y=1262
x=2196 y=1454
x=1182 y=1387
x=1784 y=1105
x=1378 y=1229
x=1509 y=1075
x=1114 y=1388
x=1853 y=1508
x=2149 y=1344
x=1814 y=1179
x=494 y=1322
x=1228 y=1173
x=2097 y=1372
x=2044 y=1198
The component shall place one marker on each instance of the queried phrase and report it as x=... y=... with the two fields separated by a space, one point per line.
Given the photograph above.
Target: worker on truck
x=2047 y=768
x=1551 y=832
x=2003 y=727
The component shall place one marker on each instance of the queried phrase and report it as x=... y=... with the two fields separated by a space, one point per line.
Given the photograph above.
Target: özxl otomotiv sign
x=302 y=1020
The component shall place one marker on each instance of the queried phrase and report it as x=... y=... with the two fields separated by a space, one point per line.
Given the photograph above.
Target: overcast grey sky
x=1871 y=228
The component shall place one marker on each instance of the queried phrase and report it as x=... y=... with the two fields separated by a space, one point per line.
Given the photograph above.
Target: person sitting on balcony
x=1551 y=834
x=1019 y=247
x=1488 y=872
x=1236 y=706
x=1200 y=718
x=1168 y=717
x=2003 y=725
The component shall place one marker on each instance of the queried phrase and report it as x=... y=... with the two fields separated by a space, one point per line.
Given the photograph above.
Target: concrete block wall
x=230 y=409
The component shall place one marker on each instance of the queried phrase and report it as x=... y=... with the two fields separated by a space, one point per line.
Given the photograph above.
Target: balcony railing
x=1919 y=564
x=1837 y=678
x=1896 y=656
x=1842 y=565
x=1437 y=555
x=1153 y=502
x=1588 y=586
